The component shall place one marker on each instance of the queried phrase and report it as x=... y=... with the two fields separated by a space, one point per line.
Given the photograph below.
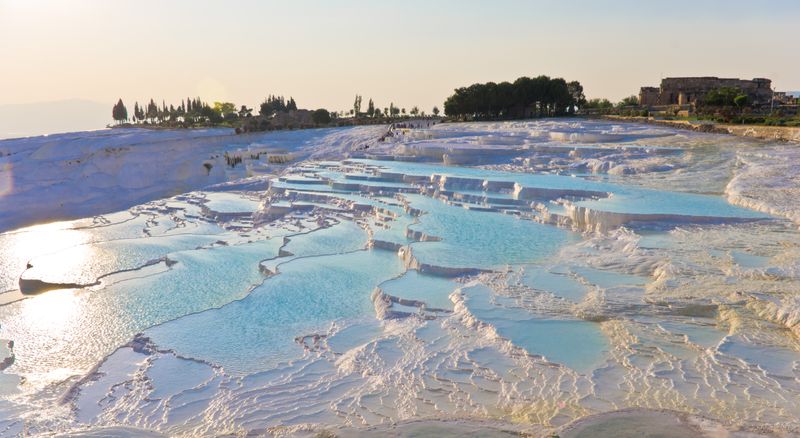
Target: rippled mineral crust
x=565 y=277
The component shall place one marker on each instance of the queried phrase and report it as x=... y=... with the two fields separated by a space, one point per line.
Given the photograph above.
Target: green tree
x=207 y=112
x=414 y=111
x=525 y=97
x=267 y=107
x=273 y=104
x=435 y=111
x=223 y=108
x=119 y=112
x=321 y=117
x=723 y=96
x=598 y=104
x=152 y=110
x=576 y=92
x=629 y=101
x=357 y=106
x=371 y=109
x=291 y=105
x=741 y=101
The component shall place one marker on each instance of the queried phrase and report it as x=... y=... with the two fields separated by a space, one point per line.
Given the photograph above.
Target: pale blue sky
x=408 y=52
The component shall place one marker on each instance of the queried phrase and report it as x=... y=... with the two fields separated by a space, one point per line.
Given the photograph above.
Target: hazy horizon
x=410 y=54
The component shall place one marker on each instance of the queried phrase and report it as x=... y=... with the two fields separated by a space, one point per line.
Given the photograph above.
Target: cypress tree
x=119 y=112
x=152 y=110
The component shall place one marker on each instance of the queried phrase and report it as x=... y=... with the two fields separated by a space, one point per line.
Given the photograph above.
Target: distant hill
x=29 y=119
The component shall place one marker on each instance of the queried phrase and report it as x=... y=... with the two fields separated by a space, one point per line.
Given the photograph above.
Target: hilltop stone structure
x=690 y=90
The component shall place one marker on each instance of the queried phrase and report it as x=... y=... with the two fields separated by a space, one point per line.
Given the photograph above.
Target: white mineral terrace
x=555 y=276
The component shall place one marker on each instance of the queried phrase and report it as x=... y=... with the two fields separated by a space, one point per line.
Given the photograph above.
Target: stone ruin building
x=687 y=91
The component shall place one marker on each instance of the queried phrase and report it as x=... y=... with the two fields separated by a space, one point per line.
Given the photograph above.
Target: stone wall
x=648 y=96
x=688 y=90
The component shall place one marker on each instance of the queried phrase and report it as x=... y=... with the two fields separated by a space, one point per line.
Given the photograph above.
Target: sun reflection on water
x=43 y=239
x=19 y=247
x=44 y=329
x=51 y=311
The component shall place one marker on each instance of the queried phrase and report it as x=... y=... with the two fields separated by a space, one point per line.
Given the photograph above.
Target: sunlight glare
x=17 y=249
x=51 y=311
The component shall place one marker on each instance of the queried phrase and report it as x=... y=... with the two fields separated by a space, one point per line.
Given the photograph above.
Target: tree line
x=275 y=112
x=273 y=104
x=388 y=112
x=194 y=110
x=524 y=98
x=605 y=104
x=188 y=111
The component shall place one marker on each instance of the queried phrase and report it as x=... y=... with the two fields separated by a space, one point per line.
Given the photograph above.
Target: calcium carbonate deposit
x=505 y=277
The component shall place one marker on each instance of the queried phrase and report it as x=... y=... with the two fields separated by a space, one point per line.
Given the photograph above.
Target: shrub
x=321 y=117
